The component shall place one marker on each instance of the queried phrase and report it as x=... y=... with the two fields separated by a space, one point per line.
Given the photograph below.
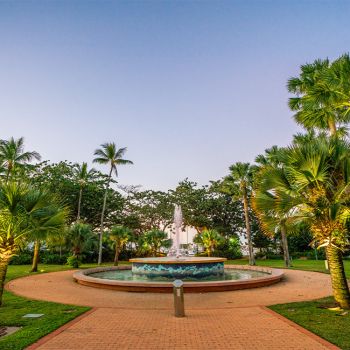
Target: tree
x=120 y=235
x=108 y=154
x=154 y=240
x=79 y=238
x=53 y=207
x=151 y=210
x=271 y=220
x=239 y=184
x=194 y=204
x=60 y=179
x=12 y=155
x=322 y=94
x=313 y=188
x=24 y=210
x=83 y=176
x=210 y=239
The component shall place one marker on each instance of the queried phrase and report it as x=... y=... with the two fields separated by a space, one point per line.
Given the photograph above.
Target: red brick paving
x=240 y=328
x=226 y=320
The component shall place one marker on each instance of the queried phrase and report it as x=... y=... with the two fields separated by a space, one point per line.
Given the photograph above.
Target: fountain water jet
x=178 y=224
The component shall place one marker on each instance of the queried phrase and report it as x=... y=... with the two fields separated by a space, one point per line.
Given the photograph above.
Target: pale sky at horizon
x=188 y=87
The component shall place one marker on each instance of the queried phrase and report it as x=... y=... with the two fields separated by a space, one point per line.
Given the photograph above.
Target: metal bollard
x=179 y=298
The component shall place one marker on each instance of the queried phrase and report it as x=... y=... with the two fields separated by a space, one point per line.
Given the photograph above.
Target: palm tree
x=270 y=220
x=314 y=187
x=239 y=184
x=322 y=94
x=82 y=175
x=120 y=235
x=12 y=155
x=108 y=154
x=24 y=211
x=79 y=238
x=210 y=239
x=154 y=240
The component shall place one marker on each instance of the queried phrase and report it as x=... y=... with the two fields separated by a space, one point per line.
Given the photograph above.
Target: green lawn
x=331 y=325
x=14 y=307
x=307 y=265
x=316 y=316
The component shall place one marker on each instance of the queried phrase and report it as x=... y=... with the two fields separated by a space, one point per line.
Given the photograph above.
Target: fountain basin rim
x=180 y=260
x=274 y=276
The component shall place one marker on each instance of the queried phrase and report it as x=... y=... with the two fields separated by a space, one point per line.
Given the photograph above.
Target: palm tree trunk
x=4 y=262
x=35 y=257
x=209 y=251
x=247 y=225
x=8 y=174
x=116 y=256
x=339 y=284
x=285 y=246
x=79 y=202
x=102 y=218
x=332 y=127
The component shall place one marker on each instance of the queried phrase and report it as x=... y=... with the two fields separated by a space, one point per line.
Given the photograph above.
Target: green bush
x=229 y=248
x=49 y=258
x=260 y=255
x=274 y=256
x=23 y=258
x=73 y=261
x=321 y=254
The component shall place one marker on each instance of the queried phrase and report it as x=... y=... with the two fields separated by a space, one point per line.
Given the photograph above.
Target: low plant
x=73 y=261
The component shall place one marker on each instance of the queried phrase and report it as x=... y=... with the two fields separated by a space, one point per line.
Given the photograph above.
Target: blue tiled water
x=228 y=275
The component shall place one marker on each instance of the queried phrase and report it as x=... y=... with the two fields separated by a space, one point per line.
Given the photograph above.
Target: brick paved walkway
x=228 y=320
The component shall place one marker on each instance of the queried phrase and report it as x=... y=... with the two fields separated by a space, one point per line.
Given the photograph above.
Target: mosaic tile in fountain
x=179 y=270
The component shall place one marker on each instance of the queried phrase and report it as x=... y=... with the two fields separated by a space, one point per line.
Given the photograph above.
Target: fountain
x=156 y=274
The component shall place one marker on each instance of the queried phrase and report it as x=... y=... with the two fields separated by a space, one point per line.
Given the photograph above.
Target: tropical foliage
x=210 y=239
x=119 y=235
x=239 y=184
x=25 y=212
x=108 y=154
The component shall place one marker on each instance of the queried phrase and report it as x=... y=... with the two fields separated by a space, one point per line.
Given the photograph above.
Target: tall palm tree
x=12 y=155
x=271 y=221
x=83 y=176
x=239 y=184
x=322 y=94
x=120 y=235
x=109 y=154
x=314 y=187
x=24 y=211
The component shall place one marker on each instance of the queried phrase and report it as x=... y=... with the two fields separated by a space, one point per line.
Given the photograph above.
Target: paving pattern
x=227 y=320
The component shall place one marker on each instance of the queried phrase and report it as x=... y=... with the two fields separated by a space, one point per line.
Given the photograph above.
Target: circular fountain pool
x=199 y=275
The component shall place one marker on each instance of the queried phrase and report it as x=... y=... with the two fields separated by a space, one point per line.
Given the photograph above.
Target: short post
x=326 y=264
x=179 y=298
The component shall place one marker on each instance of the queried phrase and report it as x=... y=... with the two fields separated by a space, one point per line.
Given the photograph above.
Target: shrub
x=50 y=258
x=23 y=258
x=73 y=261
x=229 y=248
x=321 y=254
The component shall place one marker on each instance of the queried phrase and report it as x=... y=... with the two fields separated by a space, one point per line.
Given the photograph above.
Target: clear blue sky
x=188 y=87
